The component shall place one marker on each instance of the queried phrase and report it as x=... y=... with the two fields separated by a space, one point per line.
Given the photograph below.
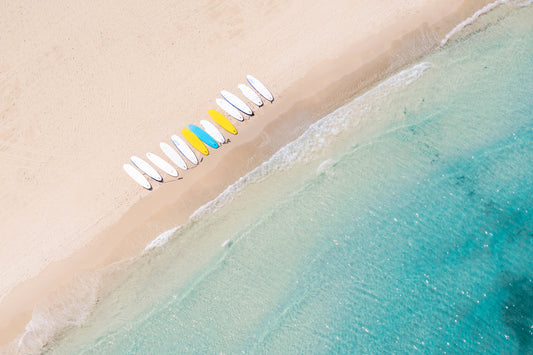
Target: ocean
x=399 y=223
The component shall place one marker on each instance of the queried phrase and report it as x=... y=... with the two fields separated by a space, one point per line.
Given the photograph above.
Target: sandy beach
x=84 y=86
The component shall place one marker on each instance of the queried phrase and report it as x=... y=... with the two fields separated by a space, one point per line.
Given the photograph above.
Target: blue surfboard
x=206 y=138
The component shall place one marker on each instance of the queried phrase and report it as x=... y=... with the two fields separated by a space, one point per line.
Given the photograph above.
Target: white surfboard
x=173 y=156
x=145 y=167
x=230 y=110
x=162 y=164
x=236 y=102
x=250 y=94
x=137 y=176
x=257 y=85
x=210 y=129
x=184 y=149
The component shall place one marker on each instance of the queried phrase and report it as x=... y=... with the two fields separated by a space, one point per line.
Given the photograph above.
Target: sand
x=85 y=85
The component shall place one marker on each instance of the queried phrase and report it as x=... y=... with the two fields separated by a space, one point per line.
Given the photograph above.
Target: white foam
x=161 y=239
x=523 y=3
x=61 y=311
x=325 y=166
x=226 y=242
x=487 y=8
x=472 y=19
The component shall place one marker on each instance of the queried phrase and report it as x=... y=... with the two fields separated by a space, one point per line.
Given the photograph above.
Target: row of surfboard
x=198 y=137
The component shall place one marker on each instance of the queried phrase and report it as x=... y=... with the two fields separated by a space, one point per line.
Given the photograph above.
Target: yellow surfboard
x=222 y=121
x=195 y=141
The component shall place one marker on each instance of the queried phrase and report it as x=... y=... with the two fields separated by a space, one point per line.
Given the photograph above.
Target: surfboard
x=195 y=141
x=162 y=164
x=212 y=131
x=184 y=149
x=250 y=94
x=230 y=110
x=261 y=89
x=173 y=156
x=137 y=176
x=222 y=121
x=145 y=167
x=204 y=136
x=236 y=102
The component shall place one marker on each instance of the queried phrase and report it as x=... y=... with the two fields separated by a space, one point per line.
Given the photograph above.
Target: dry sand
x=85 y=85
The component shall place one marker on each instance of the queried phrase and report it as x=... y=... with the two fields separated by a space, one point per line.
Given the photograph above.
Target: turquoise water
x=399 y=222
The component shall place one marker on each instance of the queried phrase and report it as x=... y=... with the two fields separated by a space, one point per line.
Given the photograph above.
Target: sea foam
x=471 y=20
x=484 y=10
x=161 y=240
x=60 y=311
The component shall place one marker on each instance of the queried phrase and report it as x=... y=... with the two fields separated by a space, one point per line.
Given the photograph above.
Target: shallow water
x=399 y=222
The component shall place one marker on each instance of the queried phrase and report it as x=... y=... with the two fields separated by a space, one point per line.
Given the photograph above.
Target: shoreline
x=322 y=89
